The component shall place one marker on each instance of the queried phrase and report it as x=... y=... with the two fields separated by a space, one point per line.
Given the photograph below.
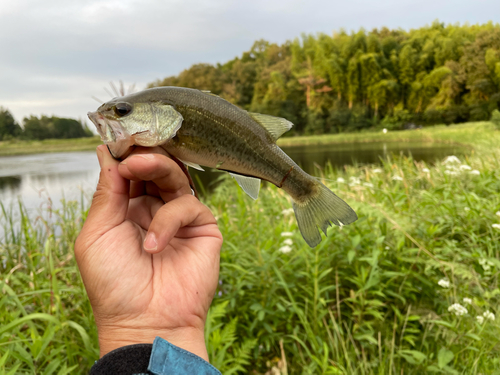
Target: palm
x=139 y=285
x=162 y=285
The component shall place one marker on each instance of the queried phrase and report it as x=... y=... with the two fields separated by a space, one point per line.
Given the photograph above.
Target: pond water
x=44 y=179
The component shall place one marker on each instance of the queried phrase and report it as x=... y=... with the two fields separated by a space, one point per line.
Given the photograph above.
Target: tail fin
x=319 y=211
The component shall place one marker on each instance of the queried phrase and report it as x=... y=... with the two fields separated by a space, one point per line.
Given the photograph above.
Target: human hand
x=160 y=285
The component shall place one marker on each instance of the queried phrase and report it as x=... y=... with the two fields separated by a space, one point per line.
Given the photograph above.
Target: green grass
x=471 y=133
x=17 y=147
x=366 y=301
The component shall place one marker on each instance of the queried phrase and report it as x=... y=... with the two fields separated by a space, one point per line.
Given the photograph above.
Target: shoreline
x=470 y=134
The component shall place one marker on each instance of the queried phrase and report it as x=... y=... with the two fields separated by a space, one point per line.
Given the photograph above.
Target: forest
x=384 y=78
x=42 y=127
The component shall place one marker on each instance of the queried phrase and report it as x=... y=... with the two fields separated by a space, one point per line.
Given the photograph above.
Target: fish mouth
x=113 y=135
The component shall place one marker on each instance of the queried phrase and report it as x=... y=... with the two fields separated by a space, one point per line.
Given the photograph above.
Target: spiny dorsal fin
x=274 y=125
x=250 y=185
x=210 y=93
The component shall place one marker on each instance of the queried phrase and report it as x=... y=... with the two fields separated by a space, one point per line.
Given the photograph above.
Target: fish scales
x=219 y=135
x=201 y=128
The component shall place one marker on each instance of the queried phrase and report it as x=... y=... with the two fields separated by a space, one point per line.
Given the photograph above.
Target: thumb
x=110 y=202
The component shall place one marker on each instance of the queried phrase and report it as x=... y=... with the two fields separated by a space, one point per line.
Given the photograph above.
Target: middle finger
x=154 y=174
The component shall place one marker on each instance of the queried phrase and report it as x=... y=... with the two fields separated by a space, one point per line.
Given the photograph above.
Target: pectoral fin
x=250 y=185
x=274 y=125
x=192 y=165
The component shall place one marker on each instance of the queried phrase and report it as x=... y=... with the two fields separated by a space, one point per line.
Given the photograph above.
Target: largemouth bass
x=203 y=129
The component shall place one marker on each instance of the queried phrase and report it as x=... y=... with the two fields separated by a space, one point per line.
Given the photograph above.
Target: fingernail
x=147 y=156
x=124 y=162
x=150 y=242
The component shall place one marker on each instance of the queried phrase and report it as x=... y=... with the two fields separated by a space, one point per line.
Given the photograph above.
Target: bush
x=495 y=118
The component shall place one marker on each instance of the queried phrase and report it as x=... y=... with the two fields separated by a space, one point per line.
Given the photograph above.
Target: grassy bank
x=473 y=134
x=16 y=147
x=376 y=297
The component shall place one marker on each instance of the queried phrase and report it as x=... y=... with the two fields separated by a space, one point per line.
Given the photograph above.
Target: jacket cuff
x=170 y=359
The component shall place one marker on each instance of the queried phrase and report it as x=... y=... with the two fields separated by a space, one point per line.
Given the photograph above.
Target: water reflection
x=10 y=182
x=47 y=178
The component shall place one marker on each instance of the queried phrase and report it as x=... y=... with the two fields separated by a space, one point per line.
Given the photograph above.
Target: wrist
x=188 y=338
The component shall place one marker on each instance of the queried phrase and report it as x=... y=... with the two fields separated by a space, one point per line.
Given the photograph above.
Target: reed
x=380 y=296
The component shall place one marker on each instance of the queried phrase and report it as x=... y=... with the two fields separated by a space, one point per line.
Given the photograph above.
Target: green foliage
x=53 y=127
x=8 y=127
x=346 y=82
x=495 y=118
x=368 y=300
x=225 y=354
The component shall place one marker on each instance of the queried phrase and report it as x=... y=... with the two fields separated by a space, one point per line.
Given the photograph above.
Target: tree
x=8 y=126
x=54 y=127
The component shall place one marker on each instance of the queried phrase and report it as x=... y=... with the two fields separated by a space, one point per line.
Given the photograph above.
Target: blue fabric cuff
x=170 y=359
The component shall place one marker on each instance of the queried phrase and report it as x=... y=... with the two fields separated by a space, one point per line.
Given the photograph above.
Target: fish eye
x=122 y=109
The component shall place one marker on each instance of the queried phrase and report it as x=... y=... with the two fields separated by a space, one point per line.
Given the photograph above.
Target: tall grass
x=368 y=300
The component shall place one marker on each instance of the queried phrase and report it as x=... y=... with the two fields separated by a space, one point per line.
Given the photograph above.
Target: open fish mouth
x=112 y=134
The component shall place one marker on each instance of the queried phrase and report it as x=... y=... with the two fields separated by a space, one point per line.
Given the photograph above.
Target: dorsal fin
x=274 y=125
x=208 y=92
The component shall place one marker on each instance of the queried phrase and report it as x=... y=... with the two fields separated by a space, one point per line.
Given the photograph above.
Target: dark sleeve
x=160 y=358
x=127 y=360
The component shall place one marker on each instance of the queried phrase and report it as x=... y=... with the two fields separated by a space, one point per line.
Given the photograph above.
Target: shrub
x=495 y=118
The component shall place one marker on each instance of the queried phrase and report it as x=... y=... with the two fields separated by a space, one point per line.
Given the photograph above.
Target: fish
x=200 y=128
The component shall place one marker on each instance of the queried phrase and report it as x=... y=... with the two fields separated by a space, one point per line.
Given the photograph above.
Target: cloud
x=56 y=54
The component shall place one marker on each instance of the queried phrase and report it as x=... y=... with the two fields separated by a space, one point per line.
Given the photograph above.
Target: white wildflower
x=444 y=283
x=286 y=234
x=486 y=264
x=464 y=167
x=475 y=172
x=457 y=309
x=466 y=209
x=496 y=226
x=468 y=301
x=377 y=170
x=451 y=173
x=451 y=159
x=288 y=241
x=288 y=211
x=480 y=319
x=285 y=249
x=498 y=213
x=387 y=247
x=384 y=130
x=368 y=184
x=354 y=181
x=488 y=315
x=426 y=170
x=340 y=180
x=397 y=178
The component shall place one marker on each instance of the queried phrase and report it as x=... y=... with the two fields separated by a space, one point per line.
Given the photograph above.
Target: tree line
x=352 y=81
x=42 y=127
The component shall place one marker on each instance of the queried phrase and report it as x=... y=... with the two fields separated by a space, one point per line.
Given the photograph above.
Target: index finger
x=152 y=164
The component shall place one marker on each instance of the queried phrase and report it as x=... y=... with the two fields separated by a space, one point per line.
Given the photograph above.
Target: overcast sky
x=54 y=55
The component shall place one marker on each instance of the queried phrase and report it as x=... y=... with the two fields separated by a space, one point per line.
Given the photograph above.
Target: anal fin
x=250 y=185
